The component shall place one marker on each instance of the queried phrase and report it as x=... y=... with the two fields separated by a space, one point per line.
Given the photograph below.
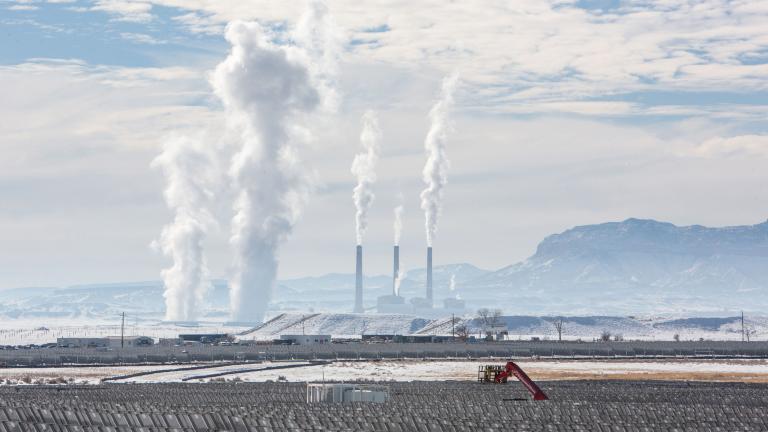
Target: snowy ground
x=700 y=370
x=41 y=331
x=46 y=330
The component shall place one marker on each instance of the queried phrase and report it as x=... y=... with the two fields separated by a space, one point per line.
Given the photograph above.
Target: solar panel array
x=417 y=406
x=165 y=354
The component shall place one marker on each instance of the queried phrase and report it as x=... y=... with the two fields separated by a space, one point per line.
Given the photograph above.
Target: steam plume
x=268 y=89
x=452 y=284
x=187 y=168
x=435 y=172
x=398 y=223
x=364 y=169
x=401 y=276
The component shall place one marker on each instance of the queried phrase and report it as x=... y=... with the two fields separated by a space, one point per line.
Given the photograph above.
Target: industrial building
x=306 y=339
x=347 y=393
x=209 y=338
x=105 y=342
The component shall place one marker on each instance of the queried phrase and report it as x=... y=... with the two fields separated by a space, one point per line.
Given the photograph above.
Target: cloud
x=22 y=7
x=199 y=23
x=746 y=145
x=126 y=10
x=141 y=38
x=530 y=45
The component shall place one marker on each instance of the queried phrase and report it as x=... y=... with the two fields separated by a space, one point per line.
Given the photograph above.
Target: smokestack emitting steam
x=358 y=280
x=364 y=169
x=187 y=168
x=396 y=273
x=435 y=172
x=398 y=223
x=268 y=88
x=401 y=275
x=429 y=275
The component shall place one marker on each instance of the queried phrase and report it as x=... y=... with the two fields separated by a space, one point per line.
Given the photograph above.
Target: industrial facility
x=397 y=304
x=105 y=342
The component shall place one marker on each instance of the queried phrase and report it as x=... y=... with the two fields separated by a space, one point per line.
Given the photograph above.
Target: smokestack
x=429 y=276
x=395 y=274
x=359 y=281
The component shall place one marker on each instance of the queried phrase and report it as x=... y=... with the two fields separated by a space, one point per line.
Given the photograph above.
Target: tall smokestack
x=395 y=274
x=359 y=280
x=429 y=276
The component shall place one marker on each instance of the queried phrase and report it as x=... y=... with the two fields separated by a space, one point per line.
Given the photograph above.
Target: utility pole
x=453 y=326
x=122 y=332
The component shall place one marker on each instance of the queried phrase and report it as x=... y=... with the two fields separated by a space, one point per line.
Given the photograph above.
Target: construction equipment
x=498 y=374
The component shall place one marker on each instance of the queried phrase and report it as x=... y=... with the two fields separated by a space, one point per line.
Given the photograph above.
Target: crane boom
x=512 y=369
x=499 y=374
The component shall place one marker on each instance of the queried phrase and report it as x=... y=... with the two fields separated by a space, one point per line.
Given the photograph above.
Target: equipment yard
x=415 y=406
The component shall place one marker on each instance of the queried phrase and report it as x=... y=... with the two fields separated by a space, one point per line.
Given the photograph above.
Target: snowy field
x=698 y=370
x=26 y=331
x=41 y=331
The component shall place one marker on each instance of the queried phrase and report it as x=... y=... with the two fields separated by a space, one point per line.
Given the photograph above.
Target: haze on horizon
x=568 y=113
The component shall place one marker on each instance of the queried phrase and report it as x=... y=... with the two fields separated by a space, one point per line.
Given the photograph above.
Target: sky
x=567 y=113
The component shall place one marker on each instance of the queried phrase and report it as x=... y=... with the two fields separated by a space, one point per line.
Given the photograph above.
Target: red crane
x=499 y=375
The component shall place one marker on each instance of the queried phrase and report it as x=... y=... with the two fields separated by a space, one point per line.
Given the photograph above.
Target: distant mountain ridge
x=631 y=267
x=640 y=266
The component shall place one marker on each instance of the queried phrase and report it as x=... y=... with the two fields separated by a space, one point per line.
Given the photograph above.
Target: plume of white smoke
x=269 y=90
x=401 y=275
x=398 y=223
x=322 y=40
x=435 y=172
x=188 y=168
x=364 y=169
x=452 y=286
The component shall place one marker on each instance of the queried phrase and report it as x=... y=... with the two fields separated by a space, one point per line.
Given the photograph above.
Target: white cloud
x=197 y=23
x=126 y=10
x=22 y=7
x=141 y=38
x=541 y=49
x=749 y=145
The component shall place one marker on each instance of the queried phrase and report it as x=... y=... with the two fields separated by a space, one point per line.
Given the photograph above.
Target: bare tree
x=495 y=318
x=749 y=331
x=496 y=324
x=605 y=336
x=483 y=315
x=558 y=323
x=676 y=337
x=462 y=332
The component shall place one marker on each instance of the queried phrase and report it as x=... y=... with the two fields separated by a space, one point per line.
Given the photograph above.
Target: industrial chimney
x=429 y=276
x=359 y=280
x=396 y=275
